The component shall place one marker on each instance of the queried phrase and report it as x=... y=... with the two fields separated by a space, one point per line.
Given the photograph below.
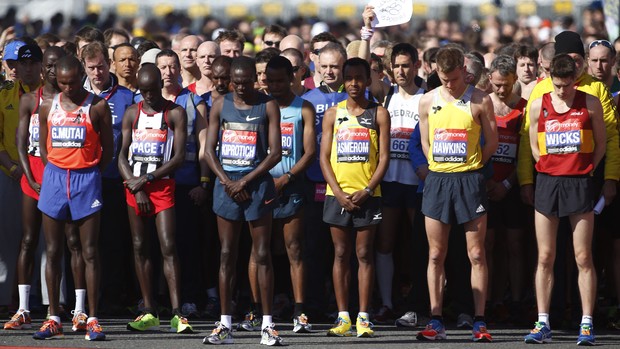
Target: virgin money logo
x=286 y=129
x=229 y=136
x=567 y=125
x=352 y=134
x=58 y=119
x=442 y=134
x=34 y=120
x=139 y=135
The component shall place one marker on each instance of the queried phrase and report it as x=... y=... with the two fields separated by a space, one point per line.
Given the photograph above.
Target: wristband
x=366 y=33
x=507 y=184
x=291 y=176
x=205 y=179
x=13 y=168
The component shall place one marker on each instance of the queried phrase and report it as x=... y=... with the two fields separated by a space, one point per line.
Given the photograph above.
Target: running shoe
x=586 y=335
x=342 y=329
x=251 y=322
x=179 y=324
x=480 y=333
x=190 y=310
x=384 y=315
x=79 y=321
x=220 y=335
x=410 y=319
x=540 y=334
x=20 y=321
x=270 y=337
x=363 y=327
x=434 y=330
x=301 y=324
x=50 y=330
x=144 y=322
x=464 y=321
x=94 y=332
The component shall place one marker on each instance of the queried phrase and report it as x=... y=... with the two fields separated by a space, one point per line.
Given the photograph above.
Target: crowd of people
x=235 y=171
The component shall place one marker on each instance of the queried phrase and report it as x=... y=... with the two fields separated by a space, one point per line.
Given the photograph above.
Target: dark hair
x=323 y=37
x=356 y=62
x=279 y=62
x=430 y=55
x=110 y=32
x=124 y=44
x=68 y=63
x=547 y=51
x=264 y=56
x=275 y=29
x=145 y=46
x=221 y=60
x=230 y=35
x=404 y=49
x=243 y=63
x=504 y=65
x=88 y=34
x=169 y=53
x=526 y=51
x=449 y=58
x=94 y=48
x=563 y=66
x=334 y=47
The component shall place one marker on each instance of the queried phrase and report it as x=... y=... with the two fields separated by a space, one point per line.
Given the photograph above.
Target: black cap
x=30 y=52
x=569 y=42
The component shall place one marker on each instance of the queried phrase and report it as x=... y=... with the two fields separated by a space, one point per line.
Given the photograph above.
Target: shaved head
x=148 y=75
x=292 y=41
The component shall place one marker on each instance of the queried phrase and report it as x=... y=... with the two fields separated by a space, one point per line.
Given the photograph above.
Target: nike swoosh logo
x=248 y=118
x=267 y=202
x=296 y=201
x=288 y=116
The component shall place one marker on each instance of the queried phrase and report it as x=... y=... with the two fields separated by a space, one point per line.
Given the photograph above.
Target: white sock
x=24 y=297
x=91 y=319
x=586 y=319
x=384 y=264
x=267 y=321
x=212 y=292
x=344 y=314
x=363 y=315
x=226 y=320
x=544 y=317
x=55 y=318
x=80 y=297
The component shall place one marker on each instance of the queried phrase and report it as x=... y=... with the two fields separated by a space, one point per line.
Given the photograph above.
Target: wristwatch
x=369 y=191
x=291 y=176
x=149 y=177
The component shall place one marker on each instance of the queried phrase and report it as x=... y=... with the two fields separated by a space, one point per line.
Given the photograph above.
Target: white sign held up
x=391 y=12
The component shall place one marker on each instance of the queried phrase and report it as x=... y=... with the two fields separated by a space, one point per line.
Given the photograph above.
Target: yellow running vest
x=355 y=149
x=453 y=135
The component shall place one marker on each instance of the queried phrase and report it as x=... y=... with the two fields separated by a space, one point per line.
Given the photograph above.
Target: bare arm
x=308 y=115
x=598 y=128
x=44 y=111
x=201 y=132
x=123 y=156
x=534 y=113
x=367 y=16
x=489 y=128
x=211 y=142
x=104 y=122
x=178 y=123
x=26 y=107
x=425 y=103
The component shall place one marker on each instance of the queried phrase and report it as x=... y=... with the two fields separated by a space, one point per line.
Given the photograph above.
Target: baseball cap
x=149 y=56
x=11 y=49
x=32 y=52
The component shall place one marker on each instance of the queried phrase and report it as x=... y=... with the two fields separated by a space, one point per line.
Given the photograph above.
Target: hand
x=496 y=190
x=198 y=195
x=422 y=172
x=368 y=16
x=7 y=34
x=232 y=188
x=359 y=197
x=280 y=183
x=527 y=194
x=241 y=196
x=144 y=204
x=345 y=201
x=135 y=184
x=609 y=190
x=35 y=186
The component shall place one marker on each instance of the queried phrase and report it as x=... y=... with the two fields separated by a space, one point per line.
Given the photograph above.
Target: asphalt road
x=386 y=337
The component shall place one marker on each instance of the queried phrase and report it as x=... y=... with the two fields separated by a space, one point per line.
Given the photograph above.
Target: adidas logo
x=9 y=107
x=96 y=203
x=480 y=209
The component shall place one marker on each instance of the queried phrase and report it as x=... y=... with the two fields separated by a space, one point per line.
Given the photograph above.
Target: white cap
x=149 y=56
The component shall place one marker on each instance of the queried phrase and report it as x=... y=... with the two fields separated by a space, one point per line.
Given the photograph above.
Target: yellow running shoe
x=342 y=329
x=364 y=327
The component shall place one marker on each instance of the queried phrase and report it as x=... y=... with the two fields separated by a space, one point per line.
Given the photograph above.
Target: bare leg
x=583 y=225
x=475 y=232
x=31 y=222
x=366 y=260
x=294 y=239
x=165 y=222
x=89 y=235
x=260 y=230
x=142 y=259
x=341 y=270
x=546 y=233
x=54 y=233
x=229 y=232
x=437 y=233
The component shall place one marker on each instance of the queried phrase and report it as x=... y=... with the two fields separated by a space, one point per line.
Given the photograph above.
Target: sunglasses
x=296 y=68
x=272 y=43
x=605 y=43
x=316 y=51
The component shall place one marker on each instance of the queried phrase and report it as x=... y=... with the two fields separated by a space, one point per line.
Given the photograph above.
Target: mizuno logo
x=364 y=121
x=377 y=216
x=248 y=118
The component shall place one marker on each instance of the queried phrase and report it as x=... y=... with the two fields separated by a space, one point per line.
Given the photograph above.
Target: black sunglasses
x=605 y=43
x=272 y=43
x=316 y=51
x=296 y=68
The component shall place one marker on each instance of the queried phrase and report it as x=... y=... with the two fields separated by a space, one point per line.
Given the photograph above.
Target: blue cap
x=11 y=49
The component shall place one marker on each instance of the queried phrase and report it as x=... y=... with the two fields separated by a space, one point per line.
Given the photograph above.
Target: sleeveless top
x=292 y=130
x=151 y=141
x=355 y=149
x=72 y=142
x=404 y=116
x=189 y=172
x=33 y=127
x=243 y=139
x=453 y=134
x=565 y=139
x=508 y=127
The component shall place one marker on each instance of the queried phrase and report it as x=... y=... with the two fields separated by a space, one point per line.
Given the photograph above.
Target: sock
x=91 y=319
x=212 y=292
x=226 y=320
x=299 y=309
x=385 y=274
x=55 y=318
x=544 y=317
x=344 y=314
x=586 y=319
x=80 y=297
x=363 y=315
x=267 y=321
x=24 y=297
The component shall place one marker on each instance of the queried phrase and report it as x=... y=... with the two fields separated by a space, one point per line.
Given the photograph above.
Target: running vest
x=508 y=127
x=453 y=135
x=565 y=139
x=355 y=149
x=189 y=172
x=404 y=116
x=292 y=130
x=72 y=142
x=151 y=141
x=33 y=127
x=243 y=139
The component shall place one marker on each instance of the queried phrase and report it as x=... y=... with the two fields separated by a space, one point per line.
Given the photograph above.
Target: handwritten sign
x=391 y=12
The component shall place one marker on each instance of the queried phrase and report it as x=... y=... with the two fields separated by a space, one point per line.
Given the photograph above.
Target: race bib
x=450 y=145
x=148 y=145
x=238 y=148
x=399 y=142
x=68 y=136
x=319 y=192
x=563 y=137
x=352 y=145
x=286 y=129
